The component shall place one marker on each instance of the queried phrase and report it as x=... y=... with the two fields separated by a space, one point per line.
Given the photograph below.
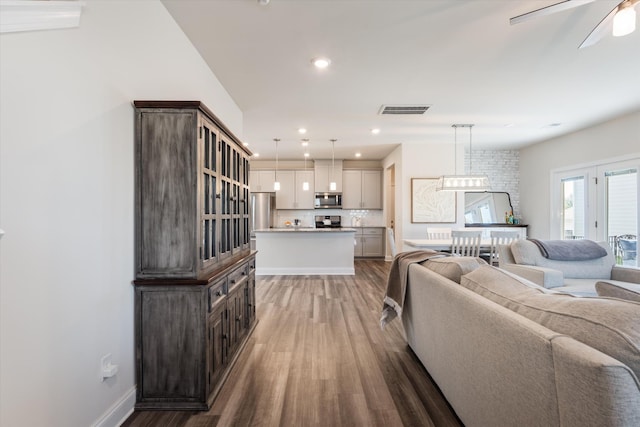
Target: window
x=600 y=203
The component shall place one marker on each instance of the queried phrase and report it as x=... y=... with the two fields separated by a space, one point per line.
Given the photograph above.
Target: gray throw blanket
x=570 y=250
x=397 y=282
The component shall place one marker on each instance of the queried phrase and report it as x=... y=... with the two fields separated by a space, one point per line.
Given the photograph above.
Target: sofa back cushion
x=620 y=290
x=454 y=267
x=527 y=253
x=606 y=324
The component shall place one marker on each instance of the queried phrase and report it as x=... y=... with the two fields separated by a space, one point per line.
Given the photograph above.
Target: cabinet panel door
x=236 y=307
x=371 y=189
x=325 y=172
x=352 y=189
x=285 y=197
x=261 y=181
x=372 y=246
x=166 y=194
x=217 y=346
x=304 y=198
x=250 y=300
x=171 y=344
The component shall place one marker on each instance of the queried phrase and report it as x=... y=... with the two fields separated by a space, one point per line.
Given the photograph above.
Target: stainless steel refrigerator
x=263 y=210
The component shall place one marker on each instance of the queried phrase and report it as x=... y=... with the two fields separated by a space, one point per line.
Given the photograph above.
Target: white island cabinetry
x=302 y=251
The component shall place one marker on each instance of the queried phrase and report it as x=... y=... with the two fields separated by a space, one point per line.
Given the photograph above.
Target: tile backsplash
x=368 y=218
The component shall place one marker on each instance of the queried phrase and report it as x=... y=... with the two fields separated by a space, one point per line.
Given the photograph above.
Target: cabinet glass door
x=207 y=148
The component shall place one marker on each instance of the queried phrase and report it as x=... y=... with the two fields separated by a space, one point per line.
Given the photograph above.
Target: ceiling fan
x=620 y=21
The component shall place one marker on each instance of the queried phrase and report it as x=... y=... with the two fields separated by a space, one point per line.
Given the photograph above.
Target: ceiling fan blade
x=548 y=10
x=602 y=29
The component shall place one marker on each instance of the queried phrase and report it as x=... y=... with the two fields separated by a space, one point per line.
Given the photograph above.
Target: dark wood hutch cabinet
x=195 y=271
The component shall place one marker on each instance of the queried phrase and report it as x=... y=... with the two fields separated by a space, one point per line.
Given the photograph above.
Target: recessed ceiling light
x=246 y=144
x=256 y=154
x=306 y=154
x=305 y=142
x=302 y=130
x=358 y=154
x=321 y=62
x=375 y=131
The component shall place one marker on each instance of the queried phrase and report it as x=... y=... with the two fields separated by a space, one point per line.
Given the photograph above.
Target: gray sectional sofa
x=507 y=352
x=524 y=258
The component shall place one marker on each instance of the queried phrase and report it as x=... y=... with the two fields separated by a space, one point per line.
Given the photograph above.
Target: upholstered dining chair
x=500 y=238
x=438 y=233
x=465 y=242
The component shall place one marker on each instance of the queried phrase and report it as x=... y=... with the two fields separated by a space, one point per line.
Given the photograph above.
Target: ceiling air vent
x=403 y=109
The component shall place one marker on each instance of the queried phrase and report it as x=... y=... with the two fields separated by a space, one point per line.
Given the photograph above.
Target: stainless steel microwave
x=328 y=201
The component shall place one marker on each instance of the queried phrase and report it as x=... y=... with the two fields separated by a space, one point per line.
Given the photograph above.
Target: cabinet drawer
x=251 y=265
x=217 y=293
x=373 y=231
x=239 y=275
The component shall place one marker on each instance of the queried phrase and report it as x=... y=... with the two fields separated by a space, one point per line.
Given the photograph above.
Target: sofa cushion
x=527 y=253
x=606 y=324
x=621 y=290
x=453 y=267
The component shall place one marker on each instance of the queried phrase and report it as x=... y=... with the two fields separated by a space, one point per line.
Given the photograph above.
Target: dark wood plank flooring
x=319 y=358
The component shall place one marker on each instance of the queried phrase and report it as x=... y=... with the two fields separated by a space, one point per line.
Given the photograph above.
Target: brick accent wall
x=503 y=169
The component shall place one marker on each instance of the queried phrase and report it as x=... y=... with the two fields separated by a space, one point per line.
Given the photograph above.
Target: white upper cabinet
x=326 y=172
x=291 y=194
x=262 y=181
x=362 y=189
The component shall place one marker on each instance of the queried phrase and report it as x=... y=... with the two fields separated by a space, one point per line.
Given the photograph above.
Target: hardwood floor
x=319 y=358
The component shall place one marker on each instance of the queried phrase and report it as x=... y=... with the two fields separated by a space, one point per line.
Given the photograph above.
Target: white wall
x=66 y=202
x=421 y=160
x=614 y=138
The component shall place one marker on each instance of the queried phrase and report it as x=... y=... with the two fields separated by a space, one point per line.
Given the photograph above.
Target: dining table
x=441 y=244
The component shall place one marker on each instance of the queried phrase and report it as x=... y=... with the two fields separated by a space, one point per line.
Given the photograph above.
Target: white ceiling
x=461 y=57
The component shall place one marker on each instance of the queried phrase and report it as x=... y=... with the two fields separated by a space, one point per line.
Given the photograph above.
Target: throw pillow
x=453 y=268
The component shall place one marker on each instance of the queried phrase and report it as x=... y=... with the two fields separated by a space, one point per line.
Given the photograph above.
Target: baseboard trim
x=305 y=271
x=119 y=412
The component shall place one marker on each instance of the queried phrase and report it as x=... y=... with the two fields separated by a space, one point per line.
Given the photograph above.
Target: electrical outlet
x=107 y=369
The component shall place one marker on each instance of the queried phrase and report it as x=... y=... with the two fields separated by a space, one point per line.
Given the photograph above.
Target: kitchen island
x=304 y=251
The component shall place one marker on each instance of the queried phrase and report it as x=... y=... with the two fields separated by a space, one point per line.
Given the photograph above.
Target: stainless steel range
x=328 y=221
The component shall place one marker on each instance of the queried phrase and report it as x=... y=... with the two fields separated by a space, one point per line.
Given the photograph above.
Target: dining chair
x=392 y=241
x=438 y=233
x=500 y=238
x=465 y=243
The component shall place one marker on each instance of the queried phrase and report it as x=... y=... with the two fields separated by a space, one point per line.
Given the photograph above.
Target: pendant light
x=276 y=183
x=463 y=182
x=305 y=183
x=624 y=21
x=332 y=184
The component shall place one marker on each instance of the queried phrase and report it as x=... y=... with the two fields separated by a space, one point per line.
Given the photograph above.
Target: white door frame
x=595 y=201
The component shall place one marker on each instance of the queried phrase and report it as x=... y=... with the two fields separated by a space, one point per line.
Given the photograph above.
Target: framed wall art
x=429 y=205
